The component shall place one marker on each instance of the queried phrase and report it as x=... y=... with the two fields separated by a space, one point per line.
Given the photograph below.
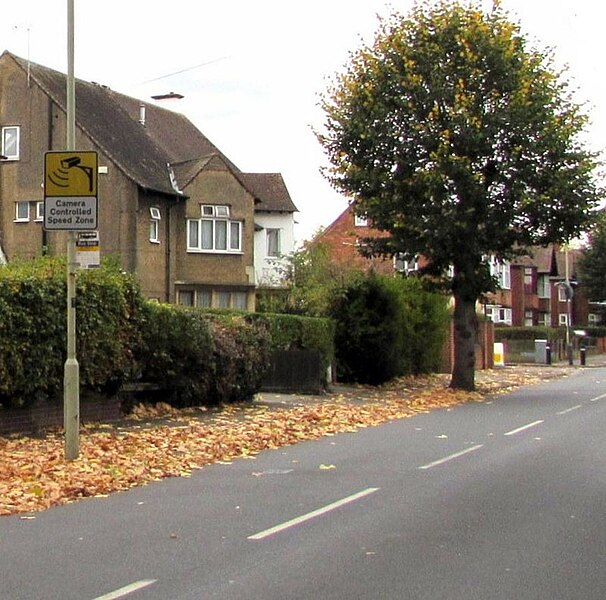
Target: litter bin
x=540 y=352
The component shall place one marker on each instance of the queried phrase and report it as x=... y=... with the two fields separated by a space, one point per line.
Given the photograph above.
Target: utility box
x=540 y=352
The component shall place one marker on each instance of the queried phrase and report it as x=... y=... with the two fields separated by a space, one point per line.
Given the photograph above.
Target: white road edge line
x=564 y=412
x=441 y=461
x=524 y=427
x=127 y=589
x=600 y=397
x=311 y=515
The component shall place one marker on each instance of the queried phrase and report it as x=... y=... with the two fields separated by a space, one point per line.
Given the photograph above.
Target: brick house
x=174 y=209
x=533 y=291
x=531 y=287
x=343 y=237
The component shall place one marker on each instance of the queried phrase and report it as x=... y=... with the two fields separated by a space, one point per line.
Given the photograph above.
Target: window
x=501 y=271
x=528 y=276
x=223 y=299
x=593 y=319
x=528 y=318
x=204 y=298
x=405 y=266
x=207 y=297
x=563 y=319
x=154 y=224
x=498 y=314
x=544 y=319
x=186 y=297
x=39 y=211
x=22 y=211
x=239 y=300
x=214 y=210
x=360 y=221
x=543 y=286
x=562 y=293
x=213 y=232
x=10 y=143
x=273 y=242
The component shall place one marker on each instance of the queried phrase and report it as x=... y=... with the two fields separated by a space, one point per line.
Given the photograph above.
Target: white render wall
x=269 y=272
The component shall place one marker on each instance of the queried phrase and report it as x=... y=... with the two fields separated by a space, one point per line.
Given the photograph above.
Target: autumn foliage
x=161 y=441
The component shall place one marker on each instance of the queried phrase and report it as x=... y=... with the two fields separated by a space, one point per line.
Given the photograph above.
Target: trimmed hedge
x=33 y=329
x=197 y=357
x=502 y=333
x=193 y=356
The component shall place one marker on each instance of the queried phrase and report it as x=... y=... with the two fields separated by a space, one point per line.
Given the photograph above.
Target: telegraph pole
x=71 y=379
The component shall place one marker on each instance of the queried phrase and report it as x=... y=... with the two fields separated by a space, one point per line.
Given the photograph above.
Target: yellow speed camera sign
x=69 y=174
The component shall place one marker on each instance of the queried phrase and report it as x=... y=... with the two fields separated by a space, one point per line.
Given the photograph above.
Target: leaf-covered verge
x=34 y=475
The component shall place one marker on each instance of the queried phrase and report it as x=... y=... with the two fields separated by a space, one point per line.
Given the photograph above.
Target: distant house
x=532 y=290
x=343 y=238
x=174 y=209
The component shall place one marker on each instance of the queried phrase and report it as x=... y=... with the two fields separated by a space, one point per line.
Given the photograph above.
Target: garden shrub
x=387 y=327
x=369 y=338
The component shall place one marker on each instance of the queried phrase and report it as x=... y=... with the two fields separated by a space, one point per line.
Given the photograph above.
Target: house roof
x=166 y=144
x=270 y=191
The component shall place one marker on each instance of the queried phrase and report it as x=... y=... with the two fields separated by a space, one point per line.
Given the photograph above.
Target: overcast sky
x=251 y=71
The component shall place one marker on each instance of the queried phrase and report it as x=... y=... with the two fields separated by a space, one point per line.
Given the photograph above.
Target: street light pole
x=568 y=293
x=71 y=379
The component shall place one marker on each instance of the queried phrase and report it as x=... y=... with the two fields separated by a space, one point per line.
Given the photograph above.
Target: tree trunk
x=465 y=331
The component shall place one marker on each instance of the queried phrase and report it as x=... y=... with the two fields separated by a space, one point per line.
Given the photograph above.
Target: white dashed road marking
x=450 y=457
x=524 y=427
x=311 y=515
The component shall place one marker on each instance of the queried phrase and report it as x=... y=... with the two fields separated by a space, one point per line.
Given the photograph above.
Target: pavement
x=365 y=393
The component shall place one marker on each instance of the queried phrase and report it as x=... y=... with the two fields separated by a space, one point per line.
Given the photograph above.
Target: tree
x=592 y=263
x=454 y=136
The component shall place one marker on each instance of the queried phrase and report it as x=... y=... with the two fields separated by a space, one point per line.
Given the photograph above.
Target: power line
x=209 y=62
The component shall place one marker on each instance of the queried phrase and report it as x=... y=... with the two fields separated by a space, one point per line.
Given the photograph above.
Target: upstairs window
x=39 y=211
x=360 y=221
x=214 y=231
x=543 y=286
x=502 y=272
x=22 y=211
x=154 y=224
x=273 y=242
x=10 y=143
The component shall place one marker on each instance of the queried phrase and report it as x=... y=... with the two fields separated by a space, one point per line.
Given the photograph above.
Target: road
x=503 y=500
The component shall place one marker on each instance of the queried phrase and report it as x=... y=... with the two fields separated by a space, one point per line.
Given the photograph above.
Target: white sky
x=267 y=62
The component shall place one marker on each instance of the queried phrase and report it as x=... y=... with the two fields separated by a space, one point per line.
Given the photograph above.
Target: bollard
x=569 y=353
x=583 y=355
x=548 y=354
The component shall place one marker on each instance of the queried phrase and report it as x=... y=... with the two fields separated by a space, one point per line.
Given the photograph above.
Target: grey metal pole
x=71 y=380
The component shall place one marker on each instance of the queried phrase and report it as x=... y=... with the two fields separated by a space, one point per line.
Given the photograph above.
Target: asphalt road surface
x=504 y=499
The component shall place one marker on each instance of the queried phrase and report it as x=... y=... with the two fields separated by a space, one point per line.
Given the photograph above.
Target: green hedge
x=295 y=332
x=197 y=357
x=33 y=329
x=192 y=356
x=502 y=333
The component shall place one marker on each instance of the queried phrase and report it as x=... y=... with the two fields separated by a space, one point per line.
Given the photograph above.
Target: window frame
x=3 y=142
x=232 y=232
x=543 y=286
x=154 y=224
x=270 y=232
x=22 y=219
x=39 y=215
x=360 y=221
